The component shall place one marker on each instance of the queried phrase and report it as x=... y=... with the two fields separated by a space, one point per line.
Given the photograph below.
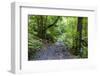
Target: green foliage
x=54 y=28
x=34 y=44
x=85 y=53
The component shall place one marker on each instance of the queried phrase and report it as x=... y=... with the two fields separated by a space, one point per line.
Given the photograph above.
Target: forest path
x=53 y=51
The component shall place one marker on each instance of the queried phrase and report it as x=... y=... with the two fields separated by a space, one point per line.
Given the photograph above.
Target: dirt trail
x=54 y=51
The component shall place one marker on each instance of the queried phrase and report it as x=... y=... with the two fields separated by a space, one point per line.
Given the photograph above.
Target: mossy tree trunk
x=79 y=36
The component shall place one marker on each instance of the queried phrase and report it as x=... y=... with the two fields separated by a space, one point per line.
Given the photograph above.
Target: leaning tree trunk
x=43 y=27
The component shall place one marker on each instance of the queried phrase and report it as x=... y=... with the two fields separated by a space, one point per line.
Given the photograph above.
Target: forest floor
x=53 y=51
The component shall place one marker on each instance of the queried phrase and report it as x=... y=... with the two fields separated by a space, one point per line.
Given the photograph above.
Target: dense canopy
x=47 y=31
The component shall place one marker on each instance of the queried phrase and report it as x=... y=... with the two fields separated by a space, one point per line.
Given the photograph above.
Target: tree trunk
x=42 y=26
x=79 y=36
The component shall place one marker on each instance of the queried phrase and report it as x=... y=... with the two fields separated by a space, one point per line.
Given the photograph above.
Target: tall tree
x=79 y=36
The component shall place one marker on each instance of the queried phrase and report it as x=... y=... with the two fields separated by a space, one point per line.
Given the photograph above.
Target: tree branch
x=54 y=22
